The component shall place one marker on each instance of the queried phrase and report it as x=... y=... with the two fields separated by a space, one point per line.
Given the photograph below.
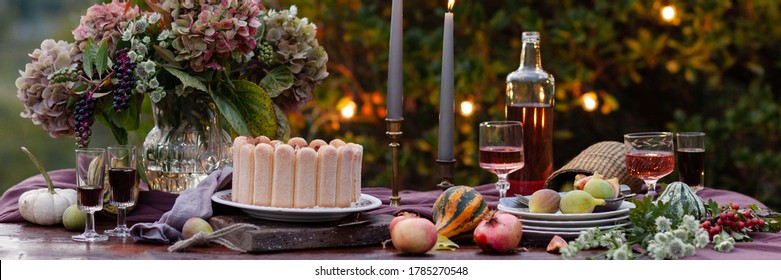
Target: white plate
x=545 y=236
x=324 y=214
x=569 y=224
x=574 y=229
x=511 y=205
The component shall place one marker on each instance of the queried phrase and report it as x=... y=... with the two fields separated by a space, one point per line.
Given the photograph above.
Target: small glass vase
x=186 y=144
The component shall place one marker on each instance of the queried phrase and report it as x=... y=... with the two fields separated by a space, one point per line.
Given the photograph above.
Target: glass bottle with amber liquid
x=530 y=97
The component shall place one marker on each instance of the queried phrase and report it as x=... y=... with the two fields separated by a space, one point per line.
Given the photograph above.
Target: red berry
x=741 y=225
x=730 y=215
x=734 y=227
x=747 y=213
x=717 y=229
x=755 y=221
x=728 y=223
x=719 y=222
x=723 y=215
x=713 y=231
x=735 y=206
x=761 y=222
x=706 y=224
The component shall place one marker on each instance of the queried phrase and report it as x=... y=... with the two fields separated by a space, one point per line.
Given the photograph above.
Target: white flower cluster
x=614 y=240
x=676 y=243
x=140 y=44
x=723 y=243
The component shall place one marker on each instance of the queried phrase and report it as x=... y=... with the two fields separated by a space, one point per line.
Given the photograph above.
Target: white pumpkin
x=45 y=206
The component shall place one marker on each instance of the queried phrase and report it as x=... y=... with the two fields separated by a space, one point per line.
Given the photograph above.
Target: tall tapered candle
x=395 y=93
x=446 y=103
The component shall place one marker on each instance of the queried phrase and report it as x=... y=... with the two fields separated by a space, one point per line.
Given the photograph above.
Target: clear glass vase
x=186 y=144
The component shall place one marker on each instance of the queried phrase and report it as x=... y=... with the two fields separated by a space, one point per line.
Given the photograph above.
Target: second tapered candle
x=446 y=103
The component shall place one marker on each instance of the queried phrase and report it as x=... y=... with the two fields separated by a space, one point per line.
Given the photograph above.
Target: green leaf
x=277 y=80
x=120 y=134
x=88 y=57
x=255 y=107
x=167 y=55
x=444 y=244
x=231 y=114
x=187 y=79
x=283 y=126
x=101 y=59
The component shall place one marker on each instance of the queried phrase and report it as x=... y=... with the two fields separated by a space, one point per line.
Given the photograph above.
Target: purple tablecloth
x=152 y=205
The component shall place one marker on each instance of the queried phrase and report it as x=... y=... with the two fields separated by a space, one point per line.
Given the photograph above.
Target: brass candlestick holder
x=446 y=171
x=394 y=132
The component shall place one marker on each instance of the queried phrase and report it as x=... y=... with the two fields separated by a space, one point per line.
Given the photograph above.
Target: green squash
x=683 y=200
x=458 y=210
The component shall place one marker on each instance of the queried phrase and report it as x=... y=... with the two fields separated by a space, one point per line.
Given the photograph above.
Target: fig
x=599 y=188
x=556 y=244
x=579 y=202
x=414 y=235
x=194 y=226
x=74 y=219
x=499 y=232
x=544 y=201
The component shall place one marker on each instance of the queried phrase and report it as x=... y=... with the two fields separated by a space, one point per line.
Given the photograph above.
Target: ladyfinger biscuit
x=246 y=164
x=327 y=159
x=262 y=139
x=283 y=184
x=336 y=143
x=315 y=144
x=263 y=175
x=305 y=194
x=237 y=143
x=297 y=142
x=356 y=170
x=344 y=176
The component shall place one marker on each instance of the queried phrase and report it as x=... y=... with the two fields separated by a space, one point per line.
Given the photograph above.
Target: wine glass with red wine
x=122 y=184
x=501 y=150
x=649 y=156
x=90 y=171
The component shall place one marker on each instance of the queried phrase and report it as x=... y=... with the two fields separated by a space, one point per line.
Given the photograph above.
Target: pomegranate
x=413 y=235
x=499 y=232
x=400 y=217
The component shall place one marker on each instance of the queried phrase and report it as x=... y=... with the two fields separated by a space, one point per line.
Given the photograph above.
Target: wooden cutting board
x=284 y=236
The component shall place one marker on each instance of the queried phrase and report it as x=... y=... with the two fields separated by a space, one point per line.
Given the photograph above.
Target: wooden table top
x=28 y=241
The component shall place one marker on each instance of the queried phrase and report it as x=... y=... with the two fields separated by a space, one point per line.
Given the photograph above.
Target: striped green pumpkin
x=458 y=210
x=679 y=195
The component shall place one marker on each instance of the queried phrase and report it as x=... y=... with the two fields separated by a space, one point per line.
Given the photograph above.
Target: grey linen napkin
x=191 y=203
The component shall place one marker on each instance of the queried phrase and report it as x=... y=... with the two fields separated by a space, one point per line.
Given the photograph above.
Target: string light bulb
x=589 y=101
x=348 y=111
x=467 y=108
x=668 y=13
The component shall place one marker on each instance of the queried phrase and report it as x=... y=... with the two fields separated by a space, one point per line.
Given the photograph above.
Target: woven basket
x=607 y=158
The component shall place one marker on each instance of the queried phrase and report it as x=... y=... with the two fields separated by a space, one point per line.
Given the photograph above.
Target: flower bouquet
x=200 y=62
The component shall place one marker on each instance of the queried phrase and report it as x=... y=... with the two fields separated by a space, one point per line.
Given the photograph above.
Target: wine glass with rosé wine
x=649 y=156
x=501 y=150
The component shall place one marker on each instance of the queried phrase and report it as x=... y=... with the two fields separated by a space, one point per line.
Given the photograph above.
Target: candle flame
x=450 y=4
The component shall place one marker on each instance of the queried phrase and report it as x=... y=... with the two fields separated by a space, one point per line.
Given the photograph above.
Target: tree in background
x=620 y=66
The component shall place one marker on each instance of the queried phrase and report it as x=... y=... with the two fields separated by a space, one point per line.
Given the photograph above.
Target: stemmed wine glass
x=90 y=171
x=649 y=156
x=501 y=150
x=122 y=184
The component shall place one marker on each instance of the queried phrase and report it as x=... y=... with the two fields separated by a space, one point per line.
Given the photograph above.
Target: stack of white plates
x=542 y=227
